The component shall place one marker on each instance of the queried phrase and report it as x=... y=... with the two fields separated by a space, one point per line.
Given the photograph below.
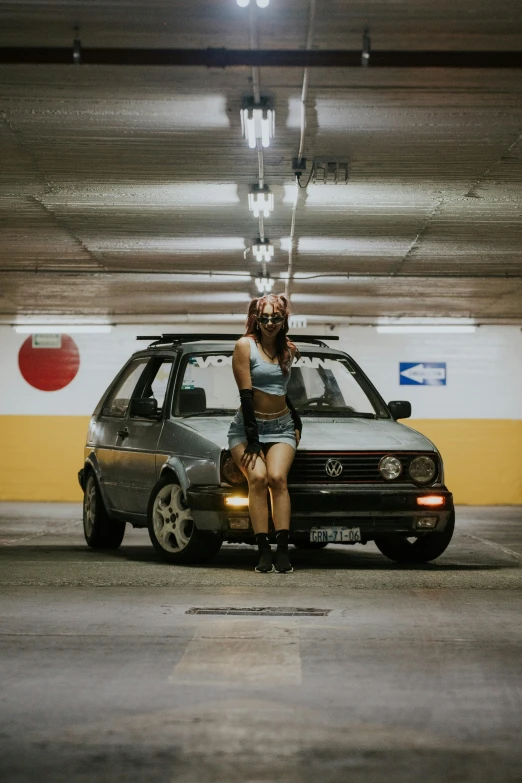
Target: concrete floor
x=413 y=676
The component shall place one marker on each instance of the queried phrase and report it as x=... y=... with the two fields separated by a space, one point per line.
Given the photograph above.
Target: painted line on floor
x=241 y=651
x=495 y=546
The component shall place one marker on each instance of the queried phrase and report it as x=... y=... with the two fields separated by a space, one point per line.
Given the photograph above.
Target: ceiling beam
x=222 y=58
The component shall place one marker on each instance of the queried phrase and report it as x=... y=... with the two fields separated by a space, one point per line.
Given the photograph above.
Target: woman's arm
x=241 y=363
x=298 y=424
x=241 y=370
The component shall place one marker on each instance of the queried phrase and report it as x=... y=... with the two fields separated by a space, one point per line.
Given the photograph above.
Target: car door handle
x=123 y=433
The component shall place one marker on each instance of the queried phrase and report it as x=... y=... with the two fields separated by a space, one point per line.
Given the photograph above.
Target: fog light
x=236 y=502
x=426 y=522
x=431 y=500
x=239 y=523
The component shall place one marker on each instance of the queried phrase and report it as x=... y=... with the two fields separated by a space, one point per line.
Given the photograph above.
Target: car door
x=110 y=429
x=137 y=453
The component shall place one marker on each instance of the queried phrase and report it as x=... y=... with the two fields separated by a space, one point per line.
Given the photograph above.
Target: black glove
x=249 y=420
x=298 y=424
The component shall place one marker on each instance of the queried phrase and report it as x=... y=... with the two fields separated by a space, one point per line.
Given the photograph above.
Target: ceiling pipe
x=101 y=273
x=304 y=95
x=331 y=320
x=223 y=58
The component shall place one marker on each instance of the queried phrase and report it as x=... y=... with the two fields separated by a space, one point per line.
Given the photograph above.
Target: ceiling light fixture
x=264 y=284
x=257 y=122
x=259 y=3
x=63 y=329
x=428 y=329
x=261 y=200
x=263 y=250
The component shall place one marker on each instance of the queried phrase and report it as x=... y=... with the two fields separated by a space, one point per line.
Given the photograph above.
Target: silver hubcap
x=172 y=522
x=89 y=504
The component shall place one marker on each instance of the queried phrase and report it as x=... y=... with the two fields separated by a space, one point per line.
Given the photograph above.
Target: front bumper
x=376 y=511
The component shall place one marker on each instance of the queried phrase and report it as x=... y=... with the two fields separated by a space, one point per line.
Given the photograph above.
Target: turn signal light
x=431 y=500
x=236 y=502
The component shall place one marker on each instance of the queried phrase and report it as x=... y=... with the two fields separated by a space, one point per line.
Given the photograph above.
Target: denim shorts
x=280 y=430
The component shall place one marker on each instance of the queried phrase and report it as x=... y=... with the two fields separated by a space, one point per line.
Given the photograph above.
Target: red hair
x=281 y=305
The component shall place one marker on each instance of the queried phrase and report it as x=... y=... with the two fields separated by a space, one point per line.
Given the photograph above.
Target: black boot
x=282 y=563
x=265 y=554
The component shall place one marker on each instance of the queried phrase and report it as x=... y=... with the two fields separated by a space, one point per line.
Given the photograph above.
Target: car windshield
x=320 y=385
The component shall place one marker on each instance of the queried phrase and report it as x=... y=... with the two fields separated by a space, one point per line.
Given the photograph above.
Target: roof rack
x=164 y=339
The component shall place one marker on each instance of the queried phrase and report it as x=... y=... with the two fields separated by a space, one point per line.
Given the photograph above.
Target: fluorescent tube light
x=63 y=329
x=259 y=3
x=264 y=284
x=433 y=329
x=258 y=122
x=263 y=250
x=261 y=200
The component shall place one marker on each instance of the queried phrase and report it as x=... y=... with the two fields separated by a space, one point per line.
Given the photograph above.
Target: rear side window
x=118 y=400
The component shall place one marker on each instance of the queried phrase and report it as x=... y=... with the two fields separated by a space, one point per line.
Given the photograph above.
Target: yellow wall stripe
x=481 y=458
x=41 y=455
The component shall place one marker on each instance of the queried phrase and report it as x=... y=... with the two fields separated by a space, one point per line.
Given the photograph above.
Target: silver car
x=157 y=456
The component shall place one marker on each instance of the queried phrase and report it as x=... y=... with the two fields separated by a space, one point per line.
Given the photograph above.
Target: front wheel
x=172 y=530
x=100 y=531
x=422 y=549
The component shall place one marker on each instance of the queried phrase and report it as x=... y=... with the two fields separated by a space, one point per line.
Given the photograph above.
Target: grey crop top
x=266 y=377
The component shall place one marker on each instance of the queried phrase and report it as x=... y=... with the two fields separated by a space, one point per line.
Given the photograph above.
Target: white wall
x=484 y=369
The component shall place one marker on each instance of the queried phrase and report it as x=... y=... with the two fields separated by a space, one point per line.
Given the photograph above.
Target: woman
x=266 y=430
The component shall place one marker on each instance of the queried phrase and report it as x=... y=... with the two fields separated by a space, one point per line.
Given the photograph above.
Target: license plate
x=331 y=535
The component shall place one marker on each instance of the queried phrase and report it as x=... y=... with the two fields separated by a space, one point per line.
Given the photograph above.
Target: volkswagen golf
x=156 y=456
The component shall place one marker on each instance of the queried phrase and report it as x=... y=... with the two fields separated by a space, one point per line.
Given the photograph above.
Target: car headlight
x=230 y=471
x=390 y=468
x=422 y=470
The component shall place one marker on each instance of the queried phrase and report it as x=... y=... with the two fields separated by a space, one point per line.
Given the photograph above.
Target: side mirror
x=400 y=409
x=146 y=407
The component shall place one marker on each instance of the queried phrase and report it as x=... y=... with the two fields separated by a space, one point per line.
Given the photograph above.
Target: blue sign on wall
x=422 y=373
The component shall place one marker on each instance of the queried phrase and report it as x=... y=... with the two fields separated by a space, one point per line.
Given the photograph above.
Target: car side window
x=118 y=400
x=156 y=385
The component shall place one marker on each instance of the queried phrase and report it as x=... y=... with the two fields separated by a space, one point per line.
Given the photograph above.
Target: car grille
x=358 y=467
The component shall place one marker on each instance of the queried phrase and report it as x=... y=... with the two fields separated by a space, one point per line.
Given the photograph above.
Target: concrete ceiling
x=123 y=190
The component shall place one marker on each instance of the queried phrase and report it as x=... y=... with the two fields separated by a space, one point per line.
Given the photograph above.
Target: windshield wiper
x=336 y=413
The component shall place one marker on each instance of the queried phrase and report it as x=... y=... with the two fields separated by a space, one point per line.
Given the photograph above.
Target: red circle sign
x=49 y=368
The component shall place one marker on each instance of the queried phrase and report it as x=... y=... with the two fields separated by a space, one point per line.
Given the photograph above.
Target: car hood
x=331 y=434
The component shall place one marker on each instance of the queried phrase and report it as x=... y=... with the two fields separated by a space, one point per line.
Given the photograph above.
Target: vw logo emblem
x=333 y=467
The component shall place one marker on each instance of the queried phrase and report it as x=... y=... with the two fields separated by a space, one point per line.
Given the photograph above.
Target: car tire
x=100 y=531
x=425 y=548
x=172 y=530
x=310 y=545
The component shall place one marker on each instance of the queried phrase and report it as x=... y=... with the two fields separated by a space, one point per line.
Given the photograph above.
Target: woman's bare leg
x=257 y=486
x=257 y=505
x=279 y=458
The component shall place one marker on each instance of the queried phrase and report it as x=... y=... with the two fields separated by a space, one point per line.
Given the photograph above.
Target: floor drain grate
x=255 y=611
